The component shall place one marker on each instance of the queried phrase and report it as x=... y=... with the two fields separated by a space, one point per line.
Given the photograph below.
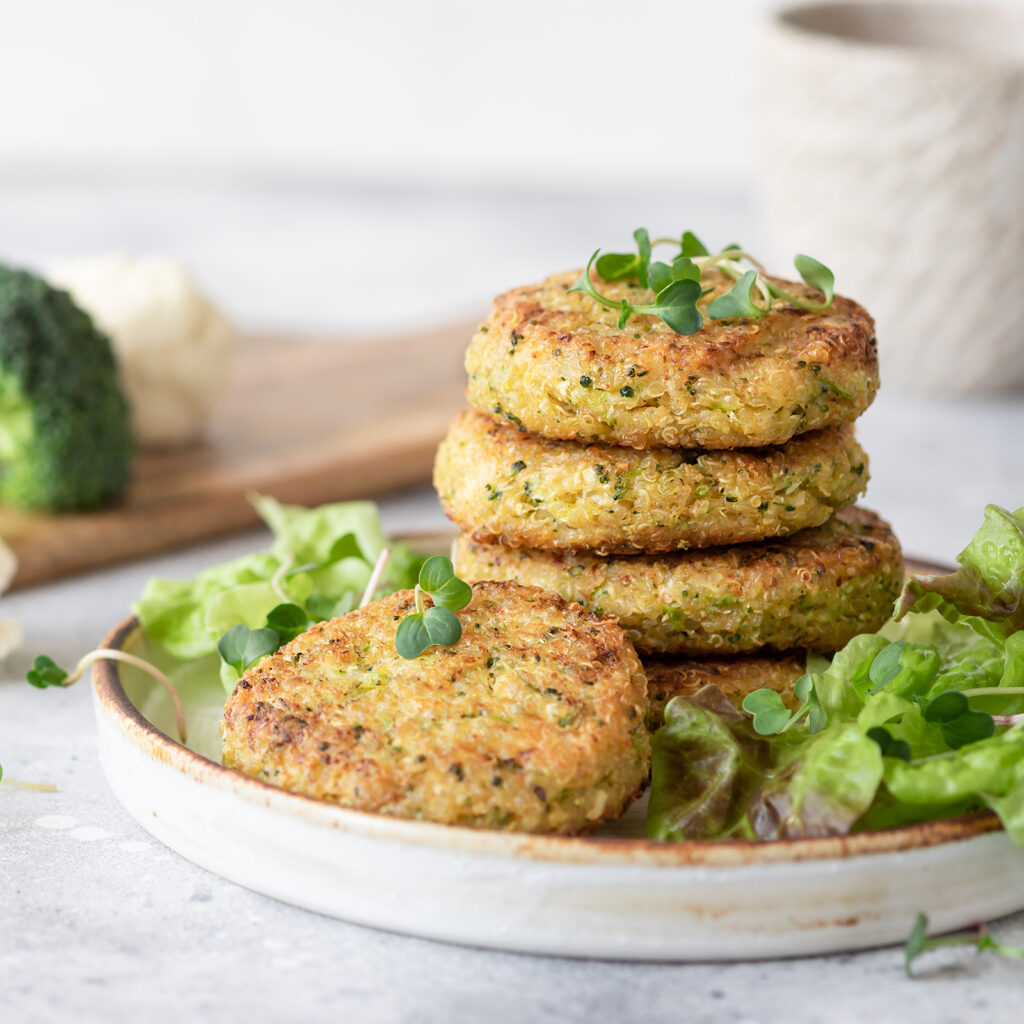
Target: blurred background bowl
x=892 y=138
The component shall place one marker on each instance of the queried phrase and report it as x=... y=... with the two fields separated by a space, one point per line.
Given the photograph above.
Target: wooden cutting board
x=306 y=420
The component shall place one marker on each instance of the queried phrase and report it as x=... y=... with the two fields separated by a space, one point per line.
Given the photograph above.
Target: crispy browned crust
x=507 y=487
x=815 y=590
x=556 y=363
x=533 y=721
x=735 y=677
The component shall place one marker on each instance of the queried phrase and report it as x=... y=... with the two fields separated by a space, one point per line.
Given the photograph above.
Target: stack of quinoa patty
x=699 y=487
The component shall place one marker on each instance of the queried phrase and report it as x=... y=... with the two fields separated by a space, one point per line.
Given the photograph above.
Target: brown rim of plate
x=564 y=849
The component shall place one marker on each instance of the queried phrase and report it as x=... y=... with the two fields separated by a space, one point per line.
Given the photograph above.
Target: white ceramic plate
x=613 y=895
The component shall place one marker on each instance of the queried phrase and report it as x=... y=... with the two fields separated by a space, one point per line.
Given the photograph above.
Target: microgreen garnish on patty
x=437 y=624
x=679 y=285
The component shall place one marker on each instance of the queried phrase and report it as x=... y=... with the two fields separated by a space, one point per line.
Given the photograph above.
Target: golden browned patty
x=558 y=364
x=533 y=721
x=501 y=485
x=815 y=590
x=735 y=677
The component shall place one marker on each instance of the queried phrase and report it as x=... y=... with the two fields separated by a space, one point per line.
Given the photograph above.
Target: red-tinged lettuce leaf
x=987 y=591
x=706 y=764
x=828 y=783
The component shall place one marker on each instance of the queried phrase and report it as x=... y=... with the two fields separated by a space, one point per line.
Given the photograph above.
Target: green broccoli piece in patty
x=65 y=433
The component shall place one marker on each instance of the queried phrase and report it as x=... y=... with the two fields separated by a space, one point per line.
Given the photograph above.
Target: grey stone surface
x=100 y=923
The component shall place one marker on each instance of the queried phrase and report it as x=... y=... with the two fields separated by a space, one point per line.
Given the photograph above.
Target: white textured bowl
x=614 y=895
x=892 y=148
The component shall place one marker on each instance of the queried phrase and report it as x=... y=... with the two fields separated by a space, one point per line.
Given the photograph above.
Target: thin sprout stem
x=798 y=302
x=602 y=299
x=729 y=268
x=39 y=787
x=765 y=290
x=726 y=262
x=992 y=691
x=1010 y=720
x=796 y=718
x=277 y=580
x=107 y=654
x=586 y=287
x=732 y=268
x=374 y=582
x=987 y=942
x=733 y=255
x=942 y=755
x=418 y=595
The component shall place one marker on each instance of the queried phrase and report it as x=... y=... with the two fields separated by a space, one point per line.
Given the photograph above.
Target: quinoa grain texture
x=501 y=485
x=533 y=721
x=557 y=364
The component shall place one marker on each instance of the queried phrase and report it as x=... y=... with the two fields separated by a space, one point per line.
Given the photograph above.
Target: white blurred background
x=451 y=92
x=357 y=168
x=362 y=166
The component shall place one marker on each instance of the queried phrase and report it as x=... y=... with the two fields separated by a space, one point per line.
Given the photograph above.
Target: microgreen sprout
x=771 y=716
x=888 y=744
x=241 y=646
x=45 y=673
x=1013 y=721
x=437 y=624
x=288 y=621
x=38 y=787
x=374 y=581
x=958 y=724
x=679 y=285
x=982 y=941
x=885 y=666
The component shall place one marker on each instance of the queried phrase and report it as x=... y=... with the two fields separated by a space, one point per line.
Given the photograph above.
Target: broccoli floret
x=65 y=434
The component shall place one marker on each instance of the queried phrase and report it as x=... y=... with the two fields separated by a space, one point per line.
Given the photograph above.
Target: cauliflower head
x=171 y=342
x=11 y=634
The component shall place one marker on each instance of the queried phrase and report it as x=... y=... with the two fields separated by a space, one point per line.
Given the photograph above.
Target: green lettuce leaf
x=308 y=535
x=909 y=734
x=322 y=555
x=888 y=812
x=924 y=738
x=841 y=685
x=1010 y=808
x=994 y=766
x=987 y=591
x=173 y=612
x=881 y=708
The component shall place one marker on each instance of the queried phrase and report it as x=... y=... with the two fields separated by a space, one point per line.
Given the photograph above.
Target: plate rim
x=603 y=850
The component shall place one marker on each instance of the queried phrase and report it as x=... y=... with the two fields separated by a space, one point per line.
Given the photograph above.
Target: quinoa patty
x=533 y=721
x=735 y=677
x=814 y=590
x=558 y=364
x=503 y=486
